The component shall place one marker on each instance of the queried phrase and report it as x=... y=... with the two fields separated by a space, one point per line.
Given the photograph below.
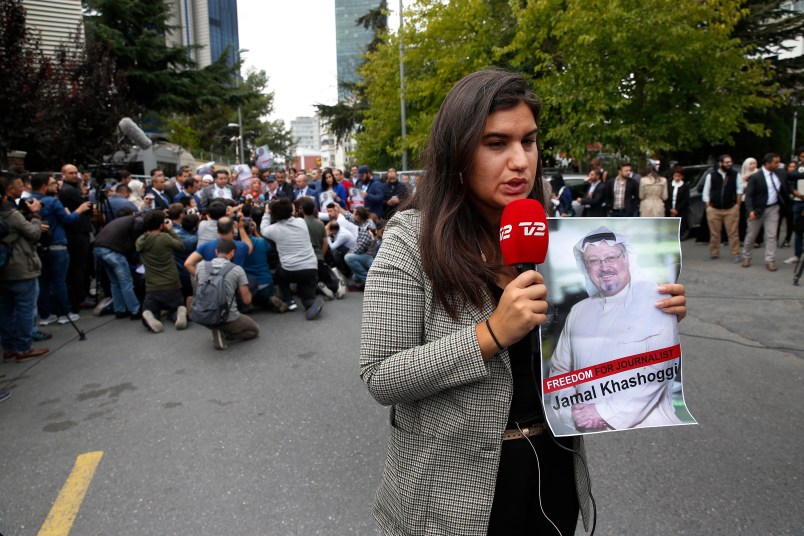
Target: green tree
x=636 y=75
x=58 y=108
x=159 y=78
x=211 y=127
x=641 y=76
x=443 y=42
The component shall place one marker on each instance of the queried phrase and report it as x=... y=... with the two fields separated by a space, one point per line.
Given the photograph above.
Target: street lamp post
x=242 y=156
x=402 y=91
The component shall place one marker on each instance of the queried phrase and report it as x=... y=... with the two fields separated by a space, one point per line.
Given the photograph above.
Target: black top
x=526 y=404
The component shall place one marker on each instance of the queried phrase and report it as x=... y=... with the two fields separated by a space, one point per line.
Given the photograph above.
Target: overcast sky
x=293 y=41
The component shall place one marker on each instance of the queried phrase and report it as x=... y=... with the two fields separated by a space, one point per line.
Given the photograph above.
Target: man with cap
x=373 y=191
x=620 y=318
x=273 y=189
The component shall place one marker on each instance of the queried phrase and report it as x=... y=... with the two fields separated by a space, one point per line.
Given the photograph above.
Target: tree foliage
x=159 y=77
x=59 y=108
x=208 y=129
x=635 y=75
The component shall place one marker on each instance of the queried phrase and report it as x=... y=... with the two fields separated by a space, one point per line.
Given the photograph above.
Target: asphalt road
x=278 y=436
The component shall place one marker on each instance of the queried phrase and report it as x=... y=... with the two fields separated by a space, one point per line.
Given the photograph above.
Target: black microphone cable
x=535 y=336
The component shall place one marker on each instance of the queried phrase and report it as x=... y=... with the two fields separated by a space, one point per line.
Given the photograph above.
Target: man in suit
x=622 y=193
x=594 y=200
x=302 y=188
x=219 y=189
x=157 y=187
x=273 y=189
x=765 y=196
x=373 y=191
x=677 y=204
x=282 y=182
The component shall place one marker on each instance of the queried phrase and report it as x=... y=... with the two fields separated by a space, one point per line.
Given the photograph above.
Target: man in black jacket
x=113 y=247
x=78 y=238
x=765 y=196
x=594 y=201
x=721 y=193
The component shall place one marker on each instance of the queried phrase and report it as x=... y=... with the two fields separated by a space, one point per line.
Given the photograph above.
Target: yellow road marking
x=61 y=517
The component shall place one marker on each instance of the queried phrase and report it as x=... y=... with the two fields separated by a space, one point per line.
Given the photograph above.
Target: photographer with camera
x=54 y=305
x=19 y=283
x=162 y=284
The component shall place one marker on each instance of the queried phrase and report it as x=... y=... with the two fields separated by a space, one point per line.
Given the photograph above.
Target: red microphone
x=523 y=234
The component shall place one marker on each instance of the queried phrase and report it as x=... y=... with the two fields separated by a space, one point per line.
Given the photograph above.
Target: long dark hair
x=453 y=235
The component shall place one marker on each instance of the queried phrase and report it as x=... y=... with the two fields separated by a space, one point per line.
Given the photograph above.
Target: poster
x=355 y=198
x=265 y=158
x=325 y=198
x=611 y=359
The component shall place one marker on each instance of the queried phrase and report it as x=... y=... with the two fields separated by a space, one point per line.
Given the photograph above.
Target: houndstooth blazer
x=448 y=408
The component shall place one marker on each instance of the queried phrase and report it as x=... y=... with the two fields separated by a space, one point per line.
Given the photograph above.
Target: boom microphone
x=523 y=234
x=130 y=129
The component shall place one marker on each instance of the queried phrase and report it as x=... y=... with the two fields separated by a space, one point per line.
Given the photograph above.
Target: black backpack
x=210 y=307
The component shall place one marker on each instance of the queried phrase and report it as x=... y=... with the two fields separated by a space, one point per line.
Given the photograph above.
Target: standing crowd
x=142 y=249
x=747 y=205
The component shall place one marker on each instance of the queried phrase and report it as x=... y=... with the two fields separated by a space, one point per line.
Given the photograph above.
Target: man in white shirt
x=765 y=196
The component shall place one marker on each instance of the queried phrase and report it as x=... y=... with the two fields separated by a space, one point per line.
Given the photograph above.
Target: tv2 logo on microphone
x=530 y=228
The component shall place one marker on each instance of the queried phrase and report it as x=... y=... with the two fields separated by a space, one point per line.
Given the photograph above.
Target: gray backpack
x=210 y=307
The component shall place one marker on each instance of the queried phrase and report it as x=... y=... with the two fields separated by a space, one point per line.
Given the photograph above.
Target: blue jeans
x=359 y=263
x=53 y=284
x=17 y=299
x=122 y=284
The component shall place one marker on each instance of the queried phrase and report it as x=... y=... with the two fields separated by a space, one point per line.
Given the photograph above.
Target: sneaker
x=786 y=244
x=736 y=259
x=323 y=289
x=791 y=260
x=31 y=354
x=105 y=307
x=52 y=319
x=70 y=317
x=341 y=290
x=340 y=275
x=151 y=322
x=181 y=317
x=4 y=394
x=291 y=305
x=218 y=340
x=314 y=309
x=278 y=304
x=40 y=336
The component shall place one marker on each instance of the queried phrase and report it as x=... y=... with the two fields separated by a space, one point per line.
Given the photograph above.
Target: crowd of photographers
x=73 y=242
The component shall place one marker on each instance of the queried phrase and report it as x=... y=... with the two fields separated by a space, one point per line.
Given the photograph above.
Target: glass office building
x=223 y=29
x=212 y=24
x=351 y=40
